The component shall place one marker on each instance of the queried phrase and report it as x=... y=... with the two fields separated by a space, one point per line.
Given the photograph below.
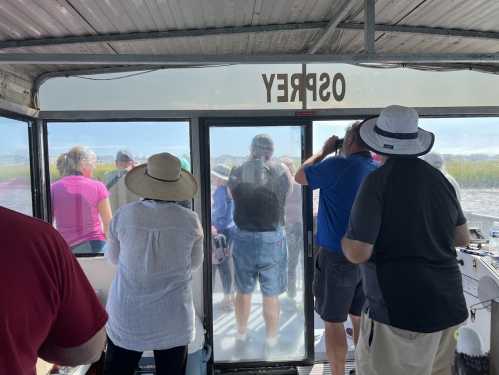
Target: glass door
x=259 y=261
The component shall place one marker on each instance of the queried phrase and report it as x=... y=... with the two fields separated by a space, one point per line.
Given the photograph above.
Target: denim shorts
x=262 y=256
x=89 y=247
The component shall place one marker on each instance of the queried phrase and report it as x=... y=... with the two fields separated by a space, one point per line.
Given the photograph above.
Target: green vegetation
x=21 y=173
x=99 y=171
x=469 y=173
x=475 y=173
x=16 y=172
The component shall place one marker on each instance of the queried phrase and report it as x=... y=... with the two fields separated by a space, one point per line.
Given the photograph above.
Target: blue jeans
x=262 y=256
x=89 y=247
x=197 y=362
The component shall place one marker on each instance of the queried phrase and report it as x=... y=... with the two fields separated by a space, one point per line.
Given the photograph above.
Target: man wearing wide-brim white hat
x=404 y=225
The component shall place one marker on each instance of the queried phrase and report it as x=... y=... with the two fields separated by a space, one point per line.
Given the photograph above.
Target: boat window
x=15 y=177
x=88 y=162
x=262 y=258
x=468 y=150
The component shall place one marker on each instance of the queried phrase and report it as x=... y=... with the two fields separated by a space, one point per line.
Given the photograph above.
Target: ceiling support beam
x=369 y=26
x=184 y=60
x=424 y=30
x=342 y=12
x=101 y=38
x=167 y=34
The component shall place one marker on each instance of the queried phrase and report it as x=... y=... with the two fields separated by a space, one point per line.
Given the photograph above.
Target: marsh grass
x=21 y=172
x=477 y=174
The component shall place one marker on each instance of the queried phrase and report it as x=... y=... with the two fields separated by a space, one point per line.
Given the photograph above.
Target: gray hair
x=71 y=162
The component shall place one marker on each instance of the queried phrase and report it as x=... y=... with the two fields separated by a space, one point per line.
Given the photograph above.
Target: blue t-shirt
x=222 y=210
x=338 y=179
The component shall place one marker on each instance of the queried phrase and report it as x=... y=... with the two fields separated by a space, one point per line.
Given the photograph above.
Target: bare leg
x=243 y=308
x=356 y=327
x=336 y=346
x=271 y=312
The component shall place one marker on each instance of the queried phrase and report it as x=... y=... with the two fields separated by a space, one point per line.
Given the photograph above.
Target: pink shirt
x=74 y=206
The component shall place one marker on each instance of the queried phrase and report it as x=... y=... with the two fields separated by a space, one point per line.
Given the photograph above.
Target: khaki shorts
x=386 y=350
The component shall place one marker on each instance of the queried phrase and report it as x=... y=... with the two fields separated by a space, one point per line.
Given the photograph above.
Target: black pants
x=121 y=361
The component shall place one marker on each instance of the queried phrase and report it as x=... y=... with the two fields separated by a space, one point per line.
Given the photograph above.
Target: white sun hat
x=161 y=178
x=221 y=171
x=395 y=132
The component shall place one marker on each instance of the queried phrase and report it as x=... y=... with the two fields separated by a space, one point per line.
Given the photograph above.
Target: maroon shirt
x=44 y=294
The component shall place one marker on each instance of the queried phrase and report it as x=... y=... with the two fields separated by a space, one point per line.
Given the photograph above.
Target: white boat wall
x=480 y=272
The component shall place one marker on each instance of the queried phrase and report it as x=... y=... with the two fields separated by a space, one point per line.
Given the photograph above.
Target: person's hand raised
x=330 y=146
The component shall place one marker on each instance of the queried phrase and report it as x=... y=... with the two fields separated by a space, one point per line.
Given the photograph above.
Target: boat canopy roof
x=43 y=39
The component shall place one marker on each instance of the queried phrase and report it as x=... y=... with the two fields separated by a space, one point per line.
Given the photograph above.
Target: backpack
x=220 y=249
x=256 y=172
x=259 y=190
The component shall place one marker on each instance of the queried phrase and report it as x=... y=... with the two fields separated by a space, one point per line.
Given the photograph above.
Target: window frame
x=33 y=157
x=48 y=199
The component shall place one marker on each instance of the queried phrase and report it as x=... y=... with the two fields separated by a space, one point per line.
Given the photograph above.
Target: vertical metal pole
x=308 y=254
x=196 y=161
x=201 y=292
x=303 y=86
x=369 y=22
x=34 y=169
x=203 y=173
x=494 y=339
x=38 y=164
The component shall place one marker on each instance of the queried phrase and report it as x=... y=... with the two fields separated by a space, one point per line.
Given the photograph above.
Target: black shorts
x=337 y=287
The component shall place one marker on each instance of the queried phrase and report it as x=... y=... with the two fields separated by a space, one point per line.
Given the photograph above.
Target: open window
x=88 y=162
x=15 y=175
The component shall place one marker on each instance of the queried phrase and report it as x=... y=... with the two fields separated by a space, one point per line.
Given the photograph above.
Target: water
x=481 y=201
x=477 y=201
x=17 y=198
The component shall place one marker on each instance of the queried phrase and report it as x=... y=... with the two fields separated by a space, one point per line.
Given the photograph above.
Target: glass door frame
x=306 y=151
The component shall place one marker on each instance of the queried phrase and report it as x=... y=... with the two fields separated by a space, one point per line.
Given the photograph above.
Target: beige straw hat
x=161 y=178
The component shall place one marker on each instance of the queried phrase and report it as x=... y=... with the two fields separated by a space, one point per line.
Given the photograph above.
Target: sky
x=461 y=136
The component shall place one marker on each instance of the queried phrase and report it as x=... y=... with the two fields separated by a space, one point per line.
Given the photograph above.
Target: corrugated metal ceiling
x=28 y=19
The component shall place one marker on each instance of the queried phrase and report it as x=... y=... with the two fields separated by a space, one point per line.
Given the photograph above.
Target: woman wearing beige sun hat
x=156 y=243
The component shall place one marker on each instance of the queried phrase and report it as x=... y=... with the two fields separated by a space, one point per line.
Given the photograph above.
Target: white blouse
x=156 y=246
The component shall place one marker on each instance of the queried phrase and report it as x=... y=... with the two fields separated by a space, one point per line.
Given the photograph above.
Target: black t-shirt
x=409 y=211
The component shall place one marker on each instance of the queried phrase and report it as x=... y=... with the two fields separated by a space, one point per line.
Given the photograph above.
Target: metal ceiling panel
x=21 y=19
x=459 y=14
x=25 y=19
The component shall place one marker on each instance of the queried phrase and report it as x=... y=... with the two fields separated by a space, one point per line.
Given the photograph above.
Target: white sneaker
x=241 y=336
x=271 y=348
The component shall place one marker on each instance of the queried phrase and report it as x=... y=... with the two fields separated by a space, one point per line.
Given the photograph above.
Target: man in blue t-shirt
x=337 y=282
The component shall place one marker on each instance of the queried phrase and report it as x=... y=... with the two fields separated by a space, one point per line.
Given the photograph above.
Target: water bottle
x=494 y=236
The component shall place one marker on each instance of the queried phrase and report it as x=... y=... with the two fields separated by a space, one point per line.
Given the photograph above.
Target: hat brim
x=393 y=146
x=138 y=182
x=220 y=176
